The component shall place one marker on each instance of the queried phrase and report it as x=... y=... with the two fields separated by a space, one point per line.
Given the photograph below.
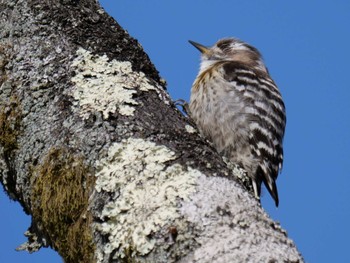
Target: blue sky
x=305 y=45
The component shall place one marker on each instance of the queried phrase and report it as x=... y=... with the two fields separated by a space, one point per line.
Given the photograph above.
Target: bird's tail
x=270 y=182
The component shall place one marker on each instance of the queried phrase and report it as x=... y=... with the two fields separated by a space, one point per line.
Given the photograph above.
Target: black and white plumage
x=238 y=107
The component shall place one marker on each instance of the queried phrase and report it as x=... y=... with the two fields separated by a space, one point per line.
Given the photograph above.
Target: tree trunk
x=95 y=151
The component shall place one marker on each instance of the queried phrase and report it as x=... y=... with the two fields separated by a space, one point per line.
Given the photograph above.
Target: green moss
x=5 y=51
x=10 y=110
x=129 y=256
x=10 y=125
x=61 y=188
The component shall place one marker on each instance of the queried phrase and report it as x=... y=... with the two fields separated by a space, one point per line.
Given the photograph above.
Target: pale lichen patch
x=190 y=129
x=104 y=85
x=146 y=194
x=237 y=171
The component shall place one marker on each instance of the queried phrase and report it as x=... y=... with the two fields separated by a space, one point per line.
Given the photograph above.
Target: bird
x=237 y=106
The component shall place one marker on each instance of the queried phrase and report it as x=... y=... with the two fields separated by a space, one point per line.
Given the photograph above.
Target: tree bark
x=95 y=151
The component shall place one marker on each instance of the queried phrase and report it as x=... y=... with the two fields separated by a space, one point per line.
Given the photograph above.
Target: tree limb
x=95 y=151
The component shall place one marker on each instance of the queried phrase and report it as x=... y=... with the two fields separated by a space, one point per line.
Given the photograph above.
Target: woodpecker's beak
x=201 y=48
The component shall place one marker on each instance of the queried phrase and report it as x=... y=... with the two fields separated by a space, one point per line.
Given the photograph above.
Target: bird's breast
x=218 y=110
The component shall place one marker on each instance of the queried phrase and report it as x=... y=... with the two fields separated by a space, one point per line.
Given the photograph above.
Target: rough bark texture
x=93 y=148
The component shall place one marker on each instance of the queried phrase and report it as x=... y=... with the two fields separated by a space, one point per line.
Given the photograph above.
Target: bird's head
x=230 y=49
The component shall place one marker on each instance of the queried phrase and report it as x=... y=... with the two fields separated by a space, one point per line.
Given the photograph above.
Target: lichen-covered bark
x=93 y=148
